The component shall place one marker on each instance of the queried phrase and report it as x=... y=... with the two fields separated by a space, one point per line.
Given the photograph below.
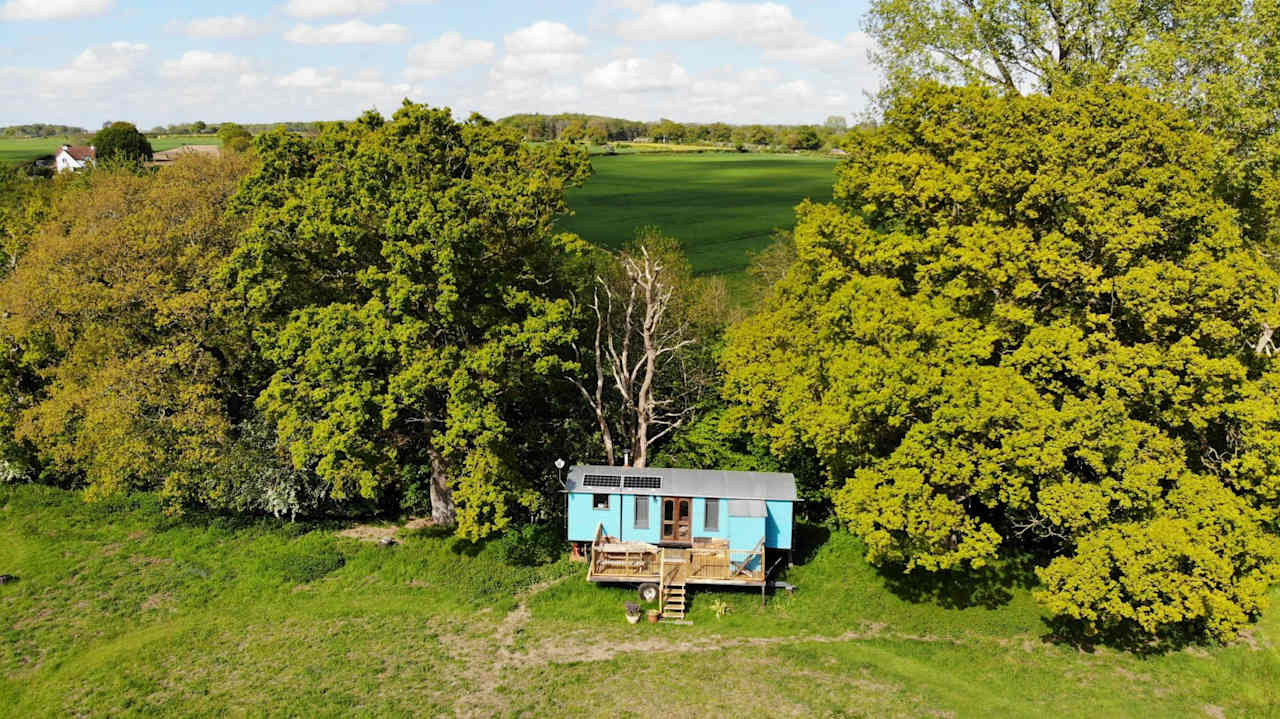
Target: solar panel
x=642 y=482
x=600 y=480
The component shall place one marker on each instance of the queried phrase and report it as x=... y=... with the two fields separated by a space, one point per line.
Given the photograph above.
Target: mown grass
x=721 y=206
x=15 y=150
x=120 y=610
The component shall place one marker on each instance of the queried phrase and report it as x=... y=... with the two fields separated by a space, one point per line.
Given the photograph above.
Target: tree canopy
x=234 y=137
x=1030 y=324
x=407 y=285
x=117 y=359
x=121 y=141
x=1216 y=60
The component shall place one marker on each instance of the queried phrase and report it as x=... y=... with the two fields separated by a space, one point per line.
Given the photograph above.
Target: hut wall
x=778 y=524
x=584 y=518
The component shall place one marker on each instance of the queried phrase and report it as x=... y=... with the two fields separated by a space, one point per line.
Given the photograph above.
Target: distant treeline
x=575 y=127
x=200 y=127
x=40 y=129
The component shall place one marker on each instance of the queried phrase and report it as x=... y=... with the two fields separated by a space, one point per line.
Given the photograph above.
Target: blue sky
x=83 y=62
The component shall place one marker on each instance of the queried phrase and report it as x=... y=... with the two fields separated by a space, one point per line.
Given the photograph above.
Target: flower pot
x=633 y=618
x=653 y=616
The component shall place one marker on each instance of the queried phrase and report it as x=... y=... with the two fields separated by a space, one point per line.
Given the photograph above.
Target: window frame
x=642 y=501
x=595 y=501
x=711 y=520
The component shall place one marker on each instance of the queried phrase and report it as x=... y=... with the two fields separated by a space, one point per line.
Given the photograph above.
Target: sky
x=86 y=62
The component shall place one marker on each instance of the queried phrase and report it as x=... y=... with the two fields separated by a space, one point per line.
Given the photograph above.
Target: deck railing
x=707 y=560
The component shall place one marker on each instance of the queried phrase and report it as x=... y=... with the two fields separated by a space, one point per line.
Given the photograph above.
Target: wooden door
x=676 y=519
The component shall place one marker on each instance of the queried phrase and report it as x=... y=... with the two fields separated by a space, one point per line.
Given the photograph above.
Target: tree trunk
x=442 y=508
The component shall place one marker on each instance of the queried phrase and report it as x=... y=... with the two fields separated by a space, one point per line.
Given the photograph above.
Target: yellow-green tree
x=1029 y=324
x=116 y=353
x=1216 y=59
x=407 y=285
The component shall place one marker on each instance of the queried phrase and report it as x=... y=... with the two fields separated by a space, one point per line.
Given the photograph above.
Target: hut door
x=675 y=519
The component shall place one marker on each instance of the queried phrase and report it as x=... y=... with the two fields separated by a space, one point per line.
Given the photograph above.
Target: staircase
x=674 y=570
x=673 y=602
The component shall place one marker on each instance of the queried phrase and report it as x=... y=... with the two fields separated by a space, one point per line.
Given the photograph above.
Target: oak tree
x=1029 y=324
x=409 y=289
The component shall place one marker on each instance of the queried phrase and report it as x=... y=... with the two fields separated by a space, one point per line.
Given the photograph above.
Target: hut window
x=599 y=501
x=711 y=520
x=642 y=512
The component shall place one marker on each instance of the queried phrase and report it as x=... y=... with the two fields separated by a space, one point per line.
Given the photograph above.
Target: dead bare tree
x=644 y=382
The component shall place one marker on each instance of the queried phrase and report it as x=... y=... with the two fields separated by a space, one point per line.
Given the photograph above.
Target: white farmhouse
x=75 y=157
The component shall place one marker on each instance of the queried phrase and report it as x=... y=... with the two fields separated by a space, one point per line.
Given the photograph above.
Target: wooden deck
x=706 y=562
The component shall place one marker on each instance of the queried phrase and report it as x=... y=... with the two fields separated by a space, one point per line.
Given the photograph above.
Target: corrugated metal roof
x=673 y=482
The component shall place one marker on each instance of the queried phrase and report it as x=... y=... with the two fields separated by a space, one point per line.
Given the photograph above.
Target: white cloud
x=329 y=8
x=445 y=54
x=222 y=26
x=765 y=26
x=854 y=51
x=53 y=9
x=543 y=48
x=637 y=75
x=97 y=65
x=330 y=80
x=196 y=63
x=752 y=23
x=352 y=32
x=542 y=63
x=309 y=78
x=544 y=37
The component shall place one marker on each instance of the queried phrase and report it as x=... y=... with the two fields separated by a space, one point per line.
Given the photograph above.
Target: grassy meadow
x=122 y=611
x=16 y=150
x=721 y=206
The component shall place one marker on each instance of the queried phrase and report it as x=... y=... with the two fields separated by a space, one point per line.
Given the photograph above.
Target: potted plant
x=633 y=612
x=653 y=616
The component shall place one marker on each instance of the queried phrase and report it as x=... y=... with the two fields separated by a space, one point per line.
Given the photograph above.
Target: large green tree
x=1030 y=324
x=410 y=290
x=121 y=141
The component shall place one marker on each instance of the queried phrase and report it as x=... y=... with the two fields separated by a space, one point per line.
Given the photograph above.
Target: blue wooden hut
x=664 y=528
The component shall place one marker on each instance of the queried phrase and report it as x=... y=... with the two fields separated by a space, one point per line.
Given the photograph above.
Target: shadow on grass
x=807 y=540
x=990 y=587
x=431 y=531
x=467 y=547
x=1127 y=637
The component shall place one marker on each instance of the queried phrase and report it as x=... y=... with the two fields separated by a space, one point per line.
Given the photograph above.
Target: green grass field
x=721 y=206
x=121 y=611
x=15 y=150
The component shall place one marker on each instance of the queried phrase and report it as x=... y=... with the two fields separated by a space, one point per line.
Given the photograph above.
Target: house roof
x=80 y=153
x=672 y=482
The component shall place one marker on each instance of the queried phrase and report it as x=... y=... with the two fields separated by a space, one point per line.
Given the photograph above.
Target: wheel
x=649 y=592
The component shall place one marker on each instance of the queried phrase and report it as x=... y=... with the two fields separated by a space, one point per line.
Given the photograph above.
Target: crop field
x=120 y=610
x=15 y=150
x=721 y=206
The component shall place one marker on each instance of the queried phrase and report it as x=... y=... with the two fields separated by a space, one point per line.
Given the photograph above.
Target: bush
x=532 y=545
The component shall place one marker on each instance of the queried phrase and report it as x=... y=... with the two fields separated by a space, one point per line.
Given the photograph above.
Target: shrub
x=532 y=545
